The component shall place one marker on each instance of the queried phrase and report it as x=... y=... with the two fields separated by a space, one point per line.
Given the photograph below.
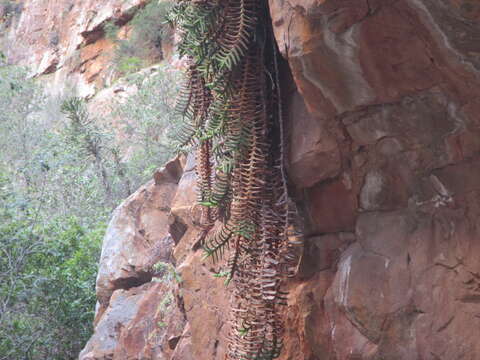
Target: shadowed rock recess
x=382 y=110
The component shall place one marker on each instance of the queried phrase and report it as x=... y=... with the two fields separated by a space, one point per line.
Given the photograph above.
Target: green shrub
x=52 y=219
x=130 y=64
x=48 y=288
x=61 y=174
x=111 y=31
x=149 y=32
x=149 y=26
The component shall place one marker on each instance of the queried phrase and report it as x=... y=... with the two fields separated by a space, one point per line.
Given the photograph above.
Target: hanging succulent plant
x=231 y=104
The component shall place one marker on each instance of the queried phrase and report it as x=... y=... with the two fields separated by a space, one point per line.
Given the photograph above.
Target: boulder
x=122 y=309
x=137 y=236
x=140 y=307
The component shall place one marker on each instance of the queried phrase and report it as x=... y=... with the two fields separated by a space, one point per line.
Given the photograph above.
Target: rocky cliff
x=382 y=109
x=382 y=103
x=64 y=40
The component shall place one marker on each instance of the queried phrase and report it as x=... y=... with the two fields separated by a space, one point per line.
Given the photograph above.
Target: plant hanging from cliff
x=231 y=105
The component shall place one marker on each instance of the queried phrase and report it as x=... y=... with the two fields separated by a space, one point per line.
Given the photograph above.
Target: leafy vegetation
x=144 y=45
x=231 y=105
x=62 y=171
x=47 y=287
x=147 y=117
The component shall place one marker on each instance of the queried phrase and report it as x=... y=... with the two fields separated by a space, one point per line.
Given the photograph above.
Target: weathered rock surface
x=139 y=309
x=384 y=162
x=64 y=40
x=137 y=236
x=390 y=269
x=123 y=306
x=205 y=297
x=157 y=327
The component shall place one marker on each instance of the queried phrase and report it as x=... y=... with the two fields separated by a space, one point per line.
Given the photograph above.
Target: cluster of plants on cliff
x=143 y=46
x=231 y=105
x=62 y=172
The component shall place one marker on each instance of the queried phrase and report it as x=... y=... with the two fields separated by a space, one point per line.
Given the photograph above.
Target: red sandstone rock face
x=140 y=313
x=206 y=299
x=384 y=147
x=65 y=39
x=396 y=85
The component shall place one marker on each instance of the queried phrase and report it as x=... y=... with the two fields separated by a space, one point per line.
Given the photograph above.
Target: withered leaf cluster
x=231 y=104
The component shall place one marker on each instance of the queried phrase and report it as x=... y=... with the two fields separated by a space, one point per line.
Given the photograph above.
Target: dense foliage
x=62 y=171
x=47 y=287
